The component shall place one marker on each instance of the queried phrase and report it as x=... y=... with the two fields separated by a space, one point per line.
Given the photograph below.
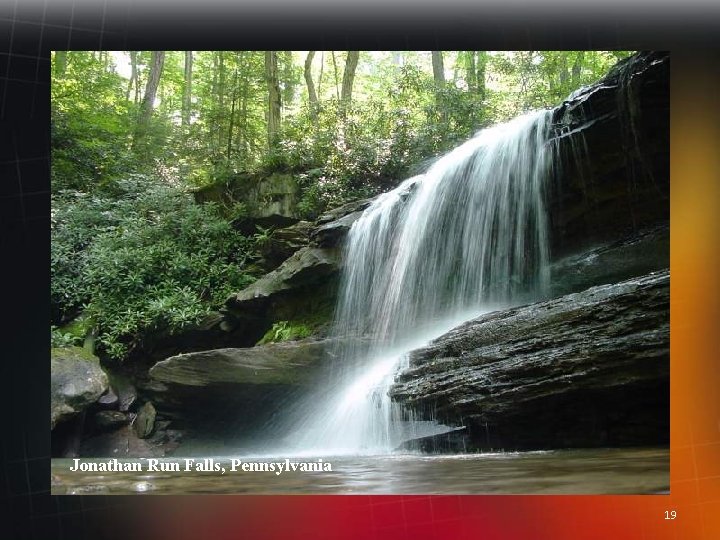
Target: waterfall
x=464 y=238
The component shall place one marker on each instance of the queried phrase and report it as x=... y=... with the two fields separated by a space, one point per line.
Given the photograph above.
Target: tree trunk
x=232 y=106
x=577 y=69
x=471 y=72
x=274 y=105
x=349 y=77
x=243 y=143
x=133 y=82
x=146 y=107
x=481 y=64
x=438 y=69
x=312 y=96
x=439 y=76
x=320 y=77
x=288 y=78
x=187 y=89
x=337 y=91
x=221 y=100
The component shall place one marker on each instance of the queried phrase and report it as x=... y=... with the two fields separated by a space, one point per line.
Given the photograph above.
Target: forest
x=138 y=136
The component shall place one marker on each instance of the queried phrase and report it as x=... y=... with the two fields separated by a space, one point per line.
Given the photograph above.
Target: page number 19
x=670 y=514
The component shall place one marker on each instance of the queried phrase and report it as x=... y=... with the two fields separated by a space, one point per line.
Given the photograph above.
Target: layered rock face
x=612 y=169
x=585 y=369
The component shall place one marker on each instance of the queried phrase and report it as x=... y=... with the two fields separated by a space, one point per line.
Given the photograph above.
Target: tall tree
x=232 y=105
x=438 y=69
x=335 y=70
x=439 y=77
x=273 y=93
x=349 y=77
x=481 y=67
x=187 y=89
x=133 y=82
x=312 y=95
x=148 y=101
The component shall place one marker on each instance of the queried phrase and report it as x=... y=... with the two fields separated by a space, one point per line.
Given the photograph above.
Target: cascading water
x=465 y=237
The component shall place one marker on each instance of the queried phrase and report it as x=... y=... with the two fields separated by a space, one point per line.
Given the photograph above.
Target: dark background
x=30 y=30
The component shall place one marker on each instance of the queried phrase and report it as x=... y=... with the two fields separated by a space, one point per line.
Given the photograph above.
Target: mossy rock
x=76 y=382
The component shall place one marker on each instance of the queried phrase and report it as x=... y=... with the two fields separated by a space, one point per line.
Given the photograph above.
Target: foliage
x=142 y=260
x=58 y=338
x=285 y=331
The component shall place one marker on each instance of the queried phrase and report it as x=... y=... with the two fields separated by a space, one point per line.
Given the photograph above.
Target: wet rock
x=586 y=369
x=254 y=383
x=108 y=420
x=282 y=243
x=332 y=234
x=76 y=382
x=144 y=423
x=215 y=330
x=302 y=289
x=633 y=255
x=450 y=442
x=122 y=442
x=612 y=165
x=342 y=211
x=127 y=394
x=109 y=399
x=293 y=362
x=305 y=267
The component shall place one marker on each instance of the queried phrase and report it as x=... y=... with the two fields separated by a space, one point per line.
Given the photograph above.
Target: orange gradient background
x=695 y=407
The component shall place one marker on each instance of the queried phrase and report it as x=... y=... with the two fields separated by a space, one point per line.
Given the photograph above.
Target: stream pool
x=587 y=471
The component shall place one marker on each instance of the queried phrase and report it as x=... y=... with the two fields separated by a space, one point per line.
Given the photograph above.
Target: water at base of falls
x=464 y=238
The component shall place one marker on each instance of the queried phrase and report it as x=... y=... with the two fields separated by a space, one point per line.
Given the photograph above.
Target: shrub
x=142 y=260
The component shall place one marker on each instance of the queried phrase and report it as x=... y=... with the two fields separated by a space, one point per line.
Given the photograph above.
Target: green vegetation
x=142 y=260
x=285 y=331
x=134 y=134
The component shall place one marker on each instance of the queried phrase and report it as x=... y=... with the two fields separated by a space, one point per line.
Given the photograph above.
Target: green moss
x=77 y=328
x=285 y=331
x=72 y=353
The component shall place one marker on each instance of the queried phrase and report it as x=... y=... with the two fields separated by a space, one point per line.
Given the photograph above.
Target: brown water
x=596 y=471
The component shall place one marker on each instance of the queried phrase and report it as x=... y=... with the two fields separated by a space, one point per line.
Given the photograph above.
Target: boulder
x=332 y=233
x=282 y=243
x=126 y=392
x=122 y=442
x=228 y=394
x=109 y=400
x=344 y=210
x=301 y=290
x=288 y=363
x=144 y=422
x=585 y=369
x=76 y=382
x=269 y=200
x=308 y=266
